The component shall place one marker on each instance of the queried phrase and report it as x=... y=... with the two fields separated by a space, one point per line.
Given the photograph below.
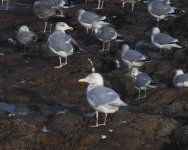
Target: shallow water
x=15 y=6
x=7 y=107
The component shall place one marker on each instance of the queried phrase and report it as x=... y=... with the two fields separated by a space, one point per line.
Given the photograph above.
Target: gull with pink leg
x=62 y=44
x=100 y=98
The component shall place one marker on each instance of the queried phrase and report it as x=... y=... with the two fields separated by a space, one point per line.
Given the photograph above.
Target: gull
x=100 y=98
x=180 y=79
x=104 y=33
x=160 y=9
x=85 y=18
x=62 y=44
x=132 y=58
x=141 y=81
x=45 y=11
x=162 y=40
x=25 y=36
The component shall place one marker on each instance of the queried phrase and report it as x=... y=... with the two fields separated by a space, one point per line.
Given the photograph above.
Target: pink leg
x=99 y=3
x=105 y=119
x=97 y=122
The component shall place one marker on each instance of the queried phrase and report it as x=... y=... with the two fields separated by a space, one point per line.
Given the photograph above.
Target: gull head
x=125 y=48
x=134 y=71
x=24 y=28
x=61 y=26
x=93 y=78
x=155 y=30
x=179 y=72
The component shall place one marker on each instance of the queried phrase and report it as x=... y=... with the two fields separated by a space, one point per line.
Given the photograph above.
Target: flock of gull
x=101 y=98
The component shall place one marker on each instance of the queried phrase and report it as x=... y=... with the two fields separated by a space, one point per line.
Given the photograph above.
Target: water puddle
x=7 y=107
x=15 y=6
x=89 y=114
x=142 y=43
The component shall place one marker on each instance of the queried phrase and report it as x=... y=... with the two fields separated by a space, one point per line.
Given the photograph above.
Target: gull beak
x=70 y=28
x=82 y=80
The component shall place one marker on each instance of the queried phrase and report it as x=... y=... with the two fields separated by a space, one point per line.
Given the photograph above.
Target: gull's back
x=142 y=80
x=104 y=96
x=162 y=39
x=43 y=10
x=26 y=37
x=60 y=41
x=106 y=33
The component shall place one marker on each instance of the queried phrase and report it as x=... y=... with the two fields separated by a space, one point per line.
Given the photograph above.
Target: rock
x=179 y=137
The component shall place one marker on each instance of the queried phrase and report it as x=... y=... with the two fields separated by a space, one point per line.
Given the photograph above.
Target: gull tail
x=120 y=38
x=152 y=86
x=145 y=60
x=176 y=45
x=176 y=13
x=35 y=38
x=12 y=41
x=118 y=103
x=68 y=4
x=102 y=18
x=59 y=13
x=77 y=48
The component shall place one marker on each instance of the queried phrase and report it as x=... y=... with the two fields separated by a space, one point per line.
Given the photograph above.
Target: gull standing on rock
x=132 y=58
x=180 y=79
x=62 y=44
x=160 y=10
x=141 y=81
x=101 y=98
x=46 y=10
x=25 y=36
x=162 y=40
x=85 y=18
x=104 y=33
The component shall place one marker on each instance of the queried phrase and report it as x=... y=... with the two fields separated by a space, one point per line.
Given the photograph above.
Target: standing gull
x=85 y=18
x=62 y=44
x=141 y=81
x=132 y=57
x=160 y=10
x=45 y=11
x=101 y=98
x=162 y=40
x=180 y=79
x=104 y=32
x=25 y=36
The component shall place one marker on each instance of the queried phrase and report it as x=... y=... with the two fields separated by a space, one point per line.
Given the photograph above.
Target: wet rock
x=66 y=124
x=52 y=98
x=179 y=137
